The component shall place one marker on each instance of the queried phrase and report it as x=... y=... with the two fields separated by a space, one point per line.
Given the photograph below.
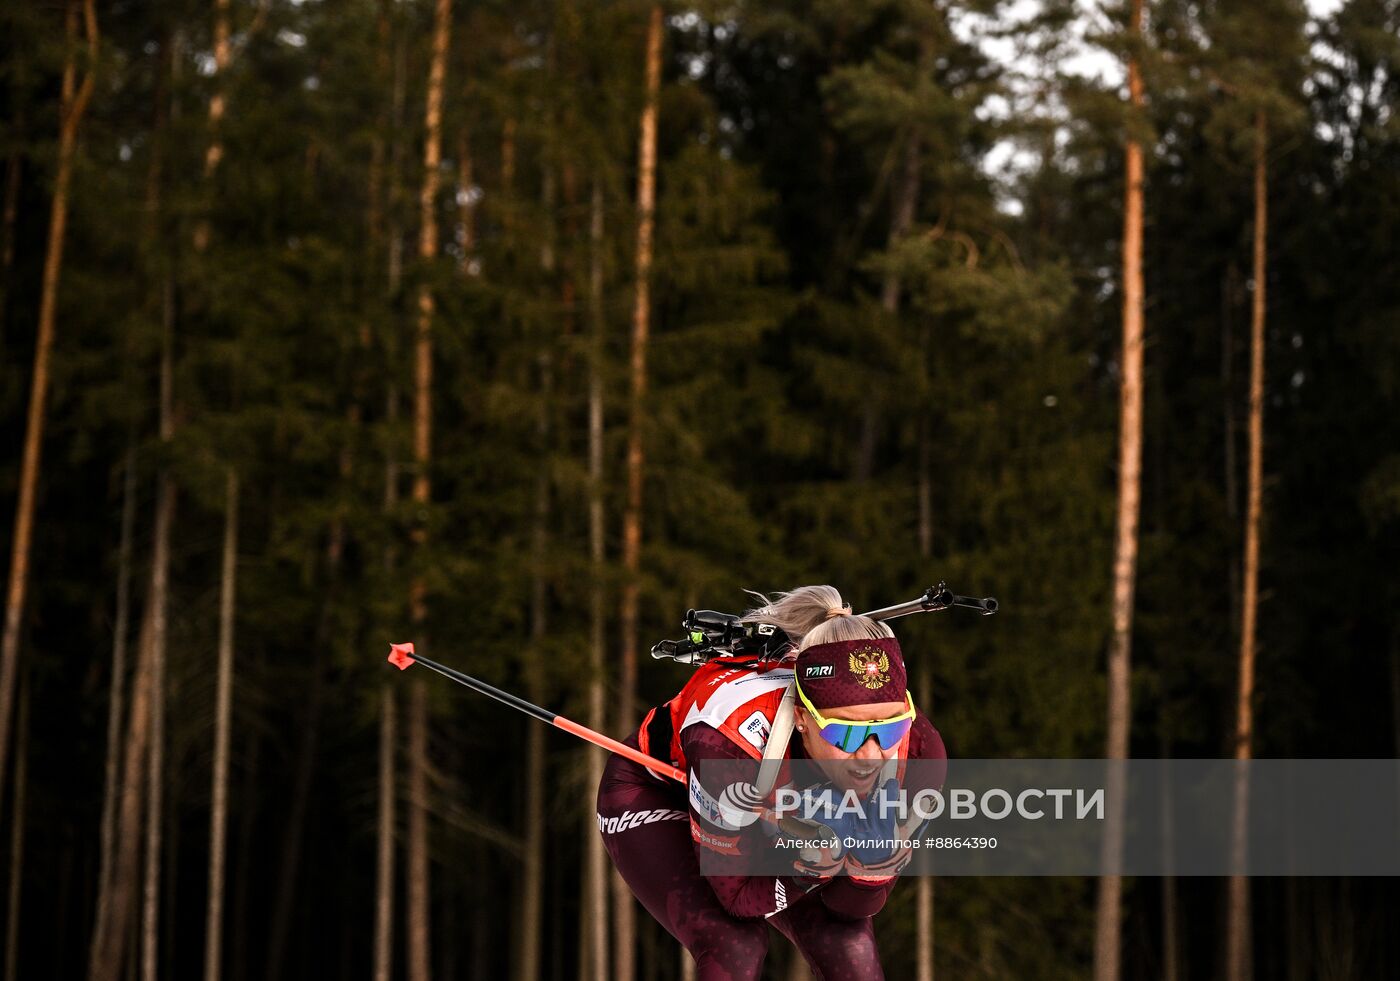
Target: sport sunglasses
x=849 y=736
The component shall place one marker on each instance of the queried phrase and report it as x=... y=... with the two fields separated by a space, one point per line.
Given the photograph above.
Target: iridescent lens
x=849 y=737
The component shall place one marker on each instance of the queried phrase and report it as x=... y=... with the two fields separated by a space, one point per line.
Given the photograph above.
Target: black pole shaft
x=505 y=697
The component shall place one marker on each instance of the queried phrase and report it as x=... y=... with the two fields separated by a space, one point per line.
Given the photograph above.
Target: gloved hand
x=879 y=872
x=820 y=863
x=882 y=853
x=865 y=831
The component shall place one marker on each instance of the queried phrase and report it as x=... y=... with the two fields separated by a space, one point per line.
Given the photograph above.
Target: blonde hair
x=814 y=615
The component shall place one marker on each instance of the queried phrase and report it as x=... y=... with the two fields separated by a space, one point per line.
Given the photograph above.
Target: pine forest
x=516 y=328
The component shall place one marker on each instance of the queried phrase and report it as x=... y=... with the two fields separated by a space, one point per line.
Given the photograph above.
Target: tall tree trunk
x=116 y=707
x=594 y=908
x=1237 y=959
x=532 y=880
x=159 y=600
x=12 y=908
x=73 y=103
x=384 y=863
x=532 y=886
x=390 y=38
x=213 y=154
x=924 y=915
x=214 y=151
x=112 y=934
x=111 y=931
x=594 y=905
x=1108 y=919
x=624 y=966
x=393 y=190
x=419 y=913
x=223 y=718
x=924 y=923
x=155 y=784
x=150 y=918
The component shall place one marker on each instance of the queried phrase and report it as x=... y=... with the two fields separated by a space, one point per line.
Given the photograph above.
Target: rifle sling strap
x=775 y=750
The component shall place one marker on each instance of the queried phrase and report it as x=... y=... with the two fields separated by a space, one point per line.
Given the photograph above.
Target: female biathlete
x=853 y=713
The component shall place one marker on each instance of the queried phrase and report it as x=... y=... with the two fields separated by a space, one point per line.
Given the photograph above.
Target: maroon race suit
x=654 y=831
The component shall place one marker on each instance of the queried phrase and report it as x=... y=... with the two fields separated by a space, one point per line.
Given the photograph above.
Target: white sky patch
x=1323 y=8
x=1030 y=59
x=1011 y=41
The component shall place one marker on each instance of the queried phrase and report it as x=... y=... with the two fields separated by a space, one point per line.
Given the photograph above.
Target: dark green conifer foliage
x=782 y=146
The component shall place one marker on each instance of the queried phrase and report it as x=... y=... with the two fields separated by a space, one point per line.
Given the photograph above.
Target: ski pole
x=403 y=655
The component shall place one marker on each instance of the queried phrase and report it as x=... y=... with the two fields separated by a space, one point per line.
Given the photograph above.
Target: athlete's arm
x=719 y=843
x=926 y=744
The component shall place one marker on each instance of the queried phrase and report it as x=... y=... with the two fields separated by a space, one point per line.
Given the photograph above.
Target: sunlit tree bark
x=1108 y=920
x=1237 y=918
x=112 y=933
x=923 y=949
x=159 y=600
x=218 y=816
x=73 y=102
x=419 y=913
x=214 y=149
x=624 y=912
